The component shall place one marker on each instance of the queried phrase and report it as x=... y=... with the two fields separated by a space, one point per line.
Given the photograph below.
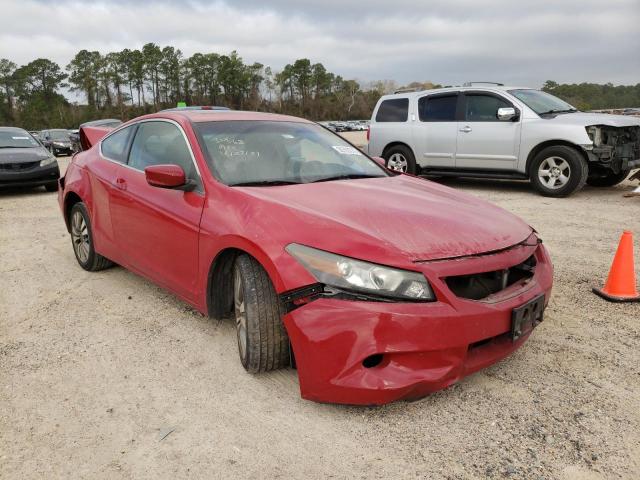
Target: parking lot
x=106 y=374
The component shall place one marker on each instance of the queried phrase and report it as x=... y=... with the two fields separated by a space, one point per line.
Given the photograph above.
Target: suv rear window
x=438 y=109
x=393 y=110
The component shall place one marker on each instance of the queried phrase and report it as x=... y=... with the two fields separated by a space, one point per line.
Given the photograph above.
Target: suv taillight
x=368 y=132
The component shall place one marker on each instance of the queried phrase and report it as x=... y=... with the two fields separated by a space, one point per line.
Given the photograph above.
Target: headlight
x=595 y=135
x=47 y=161
x=356 y=275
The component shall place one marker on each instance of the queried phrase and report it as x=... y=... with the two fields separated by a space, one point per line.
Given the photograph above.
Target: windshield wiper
x=569 y=110
x=263 y=183
x=11 y=146
x=349 y=176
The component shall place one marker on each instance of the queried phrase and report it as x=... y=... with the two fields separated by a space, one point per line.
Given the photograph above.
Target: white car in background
x=494 y=131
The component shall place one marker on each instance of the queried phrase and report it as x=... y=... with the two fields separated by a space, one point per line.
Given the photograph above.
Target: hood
x=416 y=218
x=586 y=119
x=23 y=155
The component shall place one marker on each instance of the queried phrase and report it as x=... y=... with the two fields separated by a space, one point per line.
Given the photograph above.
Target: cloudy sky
x=443 y=41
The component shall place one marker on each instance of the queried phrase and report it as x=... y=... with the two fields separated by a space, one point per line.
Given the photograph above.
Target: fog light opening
x=372 y=360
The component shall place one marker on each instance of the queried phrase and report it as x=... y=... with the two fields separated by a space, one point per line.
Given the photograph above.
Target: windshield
x=542 y=102
x=276 y=153
x=17 y=139
x=62 y=135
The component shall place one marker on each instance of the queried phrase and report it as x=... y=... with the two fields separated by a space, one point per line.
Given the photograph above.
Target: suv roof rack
x=470 y=84
x=407 y=90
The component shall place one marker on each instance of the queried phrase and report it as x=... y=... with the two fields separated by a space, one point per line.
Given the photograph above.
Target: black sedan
x=57 y=140
x=24 y=162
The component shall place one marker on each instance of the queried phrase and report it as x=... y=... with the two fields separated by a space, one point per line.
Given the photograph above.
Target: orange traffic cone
x=621 y=283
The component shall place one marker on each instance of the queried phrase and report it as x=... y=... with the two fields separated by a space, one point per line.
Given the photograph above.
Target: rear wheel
x=400 y=158
x=558 y=171
x=82 y=240
x=606 y=178
x=263 y=343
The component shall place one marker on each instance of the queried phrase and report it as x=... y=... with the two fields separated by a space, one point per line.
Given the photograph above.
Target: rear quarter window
x=114 y=147
x=393 y=110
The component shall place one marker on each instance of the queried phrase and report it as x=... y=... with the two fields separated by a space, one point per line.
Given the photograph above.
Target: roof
x=195 y=107
x=198 y=116
x=11 y=129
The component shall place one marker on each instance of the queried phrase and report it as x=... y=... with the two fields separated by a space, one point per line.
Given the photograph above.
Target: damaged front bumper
x=614 y=148
x=368 y=352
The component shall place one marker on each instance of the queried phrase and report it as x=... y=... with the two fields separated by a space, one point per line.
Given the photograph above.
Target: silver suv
x=493 y=131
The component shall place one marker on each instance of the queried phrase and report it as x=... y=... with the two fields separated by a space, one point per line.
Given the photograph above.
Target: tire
x=558 y=171
x=263 y=343
x=82 y=240
x=606 y=178
x=51 y=187
x=400 y=158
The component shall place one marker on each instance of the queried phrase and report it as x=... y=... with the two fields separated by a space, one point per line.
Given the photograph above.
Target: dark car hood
x=416 y=218
x=21 y=155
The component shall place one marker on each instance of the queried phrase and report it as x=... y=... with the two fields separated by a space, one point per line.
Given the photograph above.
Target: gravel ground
x=104 y=375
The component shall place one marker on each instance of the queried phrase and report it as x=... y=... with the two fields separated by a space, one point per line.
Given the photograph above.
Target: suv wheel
x=400 y=159
x=606 y=178
x=558 y=171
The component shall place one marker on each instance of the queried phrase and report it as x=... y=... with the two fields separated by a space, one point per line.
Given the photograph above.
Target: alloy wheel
x=241 y=314
x=80 y=237
x=397 y=162
x=554 y=172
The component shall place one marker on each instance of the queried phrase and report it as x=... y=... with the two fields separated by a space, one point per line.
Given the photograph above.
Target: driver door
x=158 y=228
x=484 y=142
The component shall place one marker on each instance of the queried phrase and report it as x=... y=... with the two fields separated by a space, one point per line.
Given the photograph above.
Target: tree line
x=129 y=83
x=593 y=96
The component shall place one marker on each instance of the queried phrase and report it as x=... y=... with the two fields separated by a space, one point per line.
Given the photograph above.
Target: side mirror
x=168 y=176
x=507 y=114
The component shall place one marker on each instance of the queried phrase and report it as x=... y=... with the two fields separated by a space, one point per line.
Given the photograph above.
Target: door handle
x=466 y=129
x=121 y=183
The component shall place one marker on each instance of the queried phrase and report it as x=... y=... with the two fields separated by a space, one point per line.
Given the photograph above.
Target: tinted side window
x=438 y=109
x=393 y=110
x=115 y=146
x=161 y=143
x=483 y=108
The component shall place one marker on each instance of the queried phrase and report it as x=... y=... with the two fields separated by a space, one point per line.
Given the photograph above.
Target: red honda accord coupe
x=375 y=285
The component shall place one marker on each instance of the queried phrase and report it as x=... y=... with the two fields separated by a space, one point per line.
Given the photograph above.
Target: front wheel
x=558 y=171
x=400 y=158
x=82 y=240
x=606 y=178
x=51 y=187
x=263 y=343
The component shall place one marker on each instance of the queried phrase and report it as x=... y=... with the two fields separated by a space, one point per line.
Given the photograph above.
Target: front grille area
x=18 y=167
x=480 y=285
